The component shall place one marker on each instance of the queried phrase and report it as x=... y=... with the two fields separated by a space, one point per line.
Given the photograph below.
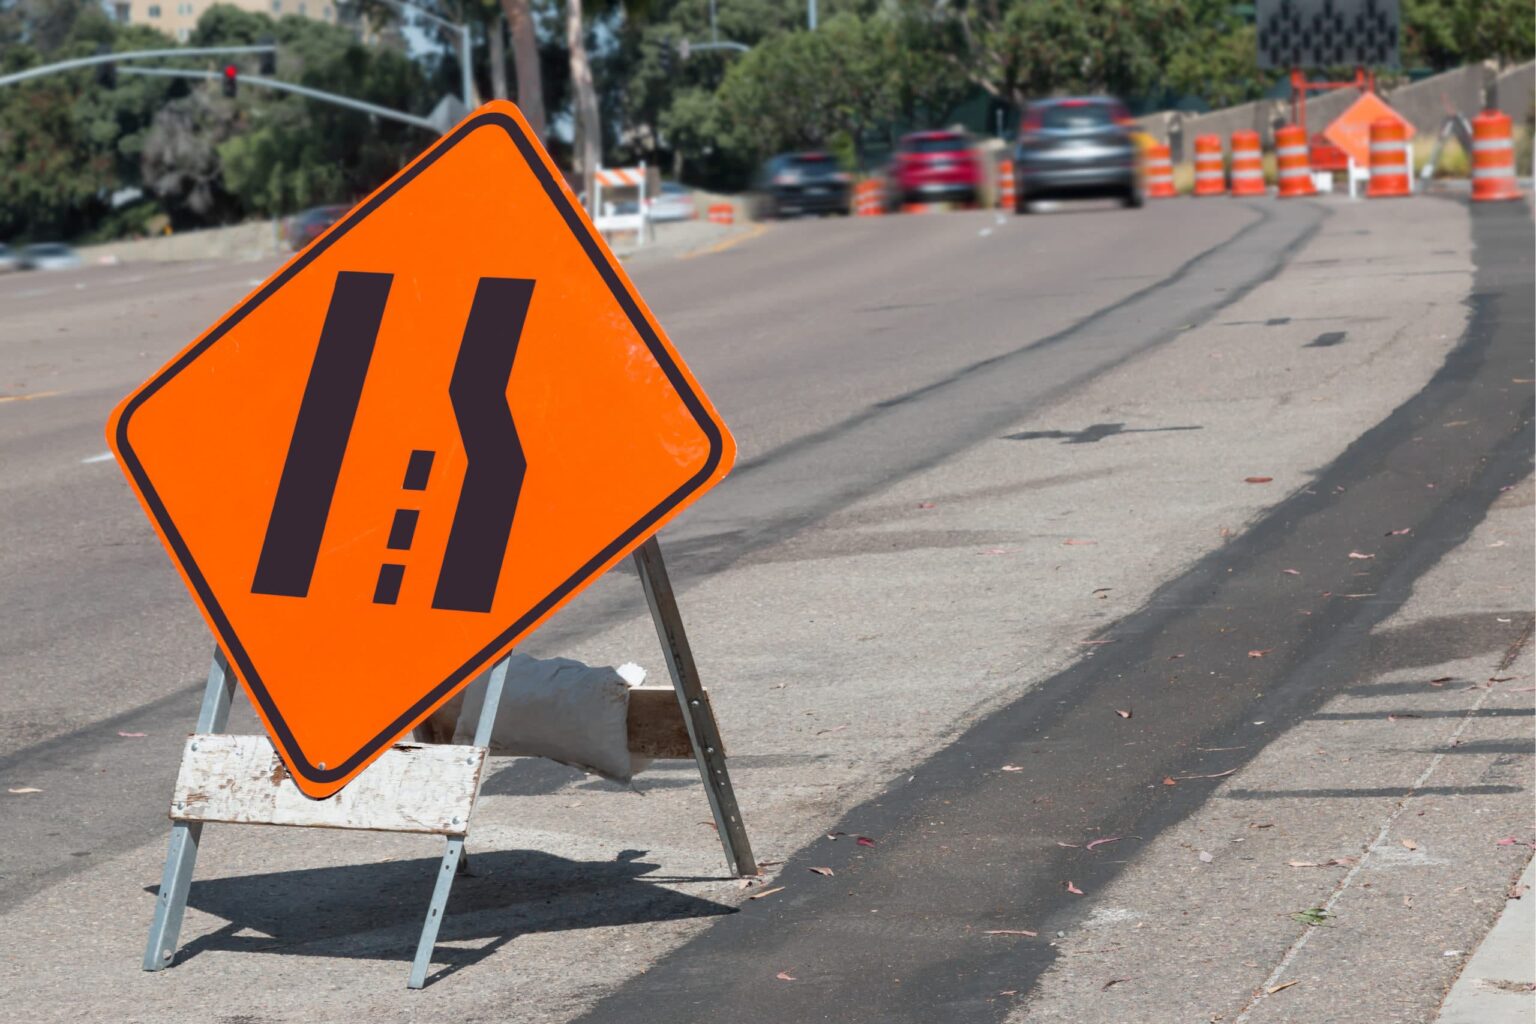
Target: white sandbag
x=561 y=709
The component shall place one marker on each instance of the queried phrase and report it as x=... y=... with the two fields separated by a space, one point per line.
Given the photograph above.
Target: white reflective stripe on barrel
x=1295 y=172
x=1506 y=171
x=1207 y=174
x=1246 y=174
x=1291 y=151
x=1485 y=145
x=1388 y=147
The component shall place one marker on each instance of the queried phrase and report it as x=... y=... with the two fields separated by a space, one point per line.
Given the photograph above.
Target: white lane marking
x=103 y=457
x=984 y=232
x=1376 y=846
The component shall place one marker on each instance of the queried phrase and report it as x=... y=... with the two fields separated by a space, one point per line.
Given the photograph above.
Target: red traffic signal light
x=231 y=80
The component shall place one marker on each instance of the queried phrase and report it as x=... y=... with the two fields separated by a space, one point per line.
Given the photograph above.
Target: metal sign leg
x=176 y=880
x=708 y=751
x=455 y=851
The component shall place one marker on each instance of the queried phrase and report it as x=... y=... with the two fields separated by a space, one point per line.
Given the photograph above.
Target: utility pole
x=810 y=14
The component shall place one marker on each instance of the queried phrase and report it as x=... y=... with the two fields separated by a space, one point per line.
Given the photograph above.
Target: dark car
x=934 y=167
x=795 y=183
x=305 y=227
x=1079 y=147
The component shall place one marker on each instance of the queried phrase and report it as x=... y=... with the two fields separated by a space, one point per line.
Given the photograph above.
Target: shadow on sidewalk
x=374 y=911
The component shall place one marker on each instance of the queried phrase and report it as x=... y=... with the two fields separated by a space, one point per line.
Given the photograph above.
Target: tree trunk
x=525 y=58
x=589 y=129
x=496 y=49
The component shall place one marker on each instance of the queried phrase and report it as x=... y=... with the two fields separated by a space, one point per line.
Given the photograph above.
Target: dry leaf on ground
x=1112 y=982
x=19 y=790
x=1011 y=931
x=1410 y=844
x=766 y=892
x=1356 y=554
x=1073 y=889
x=1276 y=988
x=1101 y=842
x=1260 y=654
x=1257 y=479
x=785 y=976
x=821 y=871
x=1123 y=714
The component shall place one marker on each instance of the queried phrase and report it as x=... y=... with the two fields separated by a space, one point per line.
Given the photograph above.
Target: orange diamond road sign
x=1351 y=130
x=415 y=442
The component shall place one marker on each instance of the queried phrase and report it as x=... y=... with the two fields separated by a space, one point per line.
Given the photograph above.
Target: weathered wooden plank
x=654 y=724
x=240 y=779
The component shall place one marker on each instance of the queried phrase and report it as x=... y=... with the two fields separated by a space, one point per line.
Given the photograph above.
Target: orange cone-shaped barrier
x=1389 y=160
x=1295 y=168
x=1159 y=173
x=722 y=213
x=1210 y=180
x=1005 y=185
x=1247 y=164
x=1493 y=158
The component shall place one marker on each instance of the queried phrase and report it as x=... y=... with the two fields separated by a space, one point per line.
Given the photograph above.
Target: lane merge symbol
x=413 y=444
x=488 y=499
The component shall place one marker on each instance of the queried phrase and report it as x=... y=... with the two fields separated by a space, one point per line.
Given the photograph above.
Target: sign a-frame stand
x=445 y=777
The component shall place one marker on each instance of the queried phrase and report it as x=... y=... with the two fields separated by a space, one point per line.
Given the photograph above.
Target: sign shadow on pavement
x=369 y=911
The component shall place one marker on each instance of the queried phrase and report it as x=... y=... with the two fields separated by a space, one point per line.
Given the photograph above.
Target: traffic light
x=268 y=66
x=106 y=74
x=231 y=80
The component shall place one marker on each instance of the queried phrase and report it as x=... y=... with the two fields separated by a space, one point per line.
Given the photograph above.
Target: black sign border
x=247 y=669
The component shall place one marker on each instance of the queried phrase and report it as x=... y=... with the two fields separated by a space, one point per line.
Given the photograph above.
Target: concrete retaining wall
x=1425 y=104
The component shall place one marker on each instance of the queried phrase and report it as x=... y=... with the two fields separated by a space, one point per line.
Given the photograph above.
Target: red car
x=934 y=167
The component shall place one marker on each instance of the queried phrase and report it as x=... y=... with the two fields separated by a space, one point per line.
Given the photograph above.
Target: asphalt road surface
x=993 y=491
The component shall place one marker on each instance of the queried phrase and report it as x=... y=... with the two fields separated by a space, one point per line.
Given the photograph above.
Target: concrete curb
x=1498 y=985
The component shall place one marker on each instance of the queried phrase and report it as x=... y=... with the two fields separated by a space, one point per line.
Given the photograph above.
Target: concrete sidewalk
x=1347 y=873
x=1499 y=983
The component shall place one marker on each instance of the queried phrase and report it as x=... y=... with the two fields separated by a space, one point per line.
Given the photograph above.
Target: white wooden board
x=241 y=780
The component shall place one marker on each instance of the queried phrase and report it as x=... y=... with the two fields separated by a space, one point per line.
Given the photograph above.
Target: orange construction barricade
x=1159 y=173
x=1493 y=158
x=1291 y=155
x=1247 y=164
x=1005 y=185
x=1210 y=180
x=1390 y=168
x=868 y=198
x=722 y=213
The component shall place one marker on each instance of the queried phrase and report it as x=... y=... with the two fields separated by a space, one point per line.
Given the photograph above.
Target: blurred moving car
x=8 y=259
x=794 y=183
x=49 y=256
x=1076 y=147
x=310 y=224
x=671 y=202
x=934 y=167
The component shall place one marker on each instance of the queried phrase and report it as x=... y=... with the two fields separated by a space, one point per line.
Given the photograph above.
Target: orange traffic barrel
x=868 y=198
x=1005 y=185
x=1210 y=180
x=1390 y=168
x=1159 y=173
x=1493 y=158
x=722 y=213
x=1247 y=164
x=1291 y=156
